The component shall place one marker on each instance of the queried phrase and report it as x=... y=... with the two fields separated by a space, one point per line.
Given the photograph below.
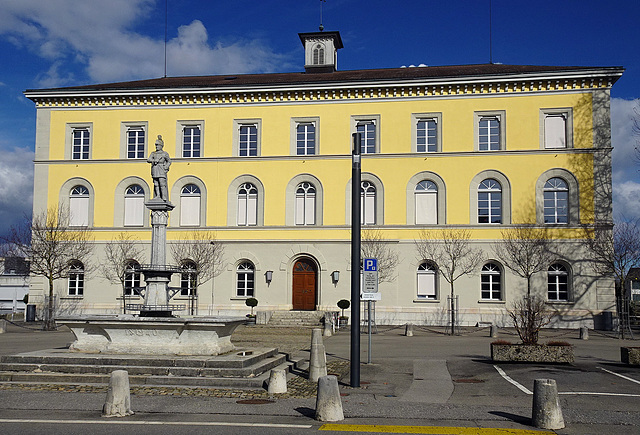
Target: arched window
x=491 y=282
x=427 y=281
x=489 y=202
x=132 y=278
x=134 y=206
x=79 y=206
x=190 y=205
x=367 y=203
x=245 y=280
x=558 y=282
x=247 y=204
x=305 y=213
x=76 y=279
x=188 y=278
x=556 y=201
x=318 y=55
x=426 y=199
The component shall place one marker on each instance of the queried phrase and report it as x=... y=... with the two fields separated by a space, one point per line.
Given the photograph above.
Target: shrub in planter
x=538 y=353
x=251 y=302
x=343 y=304
x=630 y=355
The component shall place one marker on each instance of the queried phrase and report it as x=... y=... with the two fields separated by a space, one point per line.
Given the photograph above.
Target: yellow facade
x=521 y=98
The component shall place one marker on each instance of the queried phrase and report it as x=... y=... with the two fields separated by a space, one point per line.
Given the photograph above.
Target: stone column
x=157 y=277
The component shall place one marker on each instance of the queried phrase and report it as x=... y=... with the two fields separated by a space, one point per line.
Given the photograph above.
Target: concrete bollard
x=408 y=330
x=328 y=323
x=277 y=381
x=546 y=407
x=328 y=403
x=493 y=331
x=584 y=333
x=318 y=357
x=118 y=403
x=3 y=326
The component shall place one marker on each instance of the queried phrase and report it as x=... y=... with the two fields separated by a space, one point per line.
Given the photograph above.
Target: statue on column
x=160 y=162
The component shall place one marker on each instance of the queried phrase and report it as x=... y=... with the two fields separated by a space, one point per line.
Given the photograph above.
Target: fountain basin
x=128 y=334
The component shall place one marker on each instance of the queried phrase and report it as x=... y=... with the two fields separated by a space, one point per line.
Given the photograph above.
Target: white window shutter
x=555 y=131
x=190 y=210
x=134 y=211
x=252 y=209
x=427 y=285
x=299 y=212
x=426 y=208
x=369 y=208
x=242 y=210
x=310 y=209
x=79 y=211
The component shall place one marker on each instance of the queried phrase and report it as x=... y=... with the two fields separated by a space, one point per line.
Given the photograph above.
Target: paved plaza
x=428 y=380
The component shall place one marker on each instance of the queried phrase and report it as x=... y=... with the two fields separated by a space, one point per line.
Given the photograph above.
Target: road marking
x=440 y=430
x=158 y=423
x=619 y=375
x=517 y=384
x=587 y=393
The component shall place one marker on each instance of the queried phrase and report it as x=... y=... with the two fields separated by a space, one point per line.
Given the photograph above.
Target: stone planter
x=630 y=355
x=251 y=321
x=532 y=353
x=343 y=322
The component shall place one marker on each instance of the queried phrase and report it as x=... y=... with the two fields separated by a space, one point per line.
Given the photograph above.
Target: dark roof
x=304 y=78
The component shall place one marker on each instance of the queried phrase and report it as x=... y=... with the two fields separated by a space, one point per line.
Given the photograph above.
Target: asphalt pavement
x=430 y=380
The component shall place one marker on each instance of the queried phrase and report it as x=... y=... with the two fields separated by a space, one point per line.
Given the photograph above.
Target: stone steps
x=234 y=370
x=297 y=318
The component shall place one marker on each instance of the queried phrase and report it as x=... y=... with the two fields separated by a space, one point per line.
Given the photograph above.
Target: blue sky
x=53 y=43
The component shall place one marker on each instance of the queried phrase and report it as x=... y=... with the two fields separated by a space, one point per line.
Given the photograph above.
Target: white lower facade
x=404 y=300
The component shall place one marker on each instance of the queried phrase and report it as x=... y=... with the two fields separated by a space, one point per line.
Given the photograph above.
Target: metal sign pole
x=369 y=327
x=355 y=262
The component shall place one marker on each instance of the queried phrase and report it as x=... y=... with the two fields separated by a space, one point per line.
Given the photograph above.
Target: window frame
x=132 y=275
x=138 y=196
x=500 y=115
x=573 y=212
x=490 y=200
x=69 y=139
x=245 y=288
x=180 y=127
x=379 y=201
x=485 y=272
x=557 y=201
x=568 y=114
x=76 y=279
x=357 y=120
x=176 y=192
x=239 y=123
x=429 y=265
x=295 y=122
x=473 y=196
x=188 y=275
x=232 y=200
x=290 y=199
x=190 y=194
x=567 y=273
x=417 y=118
x=125 y=127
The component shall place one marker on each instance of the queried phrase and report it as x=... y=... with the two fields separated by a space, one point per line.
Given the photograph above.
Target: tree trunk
x=453 y=312
x=50 y=323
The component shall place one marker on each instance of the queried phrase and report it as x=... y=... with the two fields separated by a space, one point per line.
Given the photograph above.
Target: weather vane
x=321 y=26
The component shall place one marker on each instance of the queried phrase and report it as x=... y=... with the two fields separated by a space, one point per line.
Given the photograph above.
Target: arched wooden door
x=304 y=285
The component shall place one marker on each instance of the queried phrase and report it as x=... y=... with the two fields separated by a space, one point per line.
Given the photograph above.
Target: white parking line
x=619 y=375
x=517 y=384
x=157 y=423
x=567 y=393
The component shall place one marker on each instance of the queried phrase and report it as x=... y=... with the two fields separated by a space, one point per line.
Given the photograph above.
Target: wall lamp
x=268 y=275
x=335 y=276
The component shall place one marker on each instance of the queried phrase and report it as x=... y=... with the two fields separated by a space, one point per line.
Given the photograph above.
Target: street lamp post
x=355 y=261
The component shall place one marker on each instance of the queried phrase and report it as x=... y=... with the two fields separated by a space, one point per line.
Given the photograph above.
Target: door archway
x=305 y=274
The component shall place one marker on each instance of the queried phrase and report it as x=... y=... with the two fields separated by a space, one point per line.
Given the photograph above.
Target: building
x=14 y=285
x=264 y=161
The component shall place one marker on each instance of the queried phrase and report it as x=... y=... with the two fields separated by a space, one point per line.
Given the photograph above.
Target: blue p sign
x=370 y=264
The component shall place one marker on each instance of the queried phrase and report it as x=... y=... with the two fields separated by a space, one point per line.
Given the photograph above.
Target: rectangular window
x=80 y=144
x=426 y=208
x=427 y=286
x=134 y=211
x=489 y=134
x=248 y=140
x=427 y=136
x=368 y=139
x=306 y=139
x=190 y=210
x=191 y=141
x=490 y=130
x=135 y=143
x=556 y=128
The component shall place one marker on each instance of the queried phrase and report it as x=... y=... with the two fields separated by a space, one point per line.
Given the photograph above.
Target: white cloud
x=16 y=186
x=100 y=36
x=626 y=164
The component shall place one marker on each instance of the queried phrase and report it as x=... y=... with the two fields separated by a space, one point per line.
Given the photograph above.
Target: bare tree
x=120 y=253
x=374 y=245
x=614 y=251
x=451 y=253
x=202 y=258
x=51 y=244
x=524 y=250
